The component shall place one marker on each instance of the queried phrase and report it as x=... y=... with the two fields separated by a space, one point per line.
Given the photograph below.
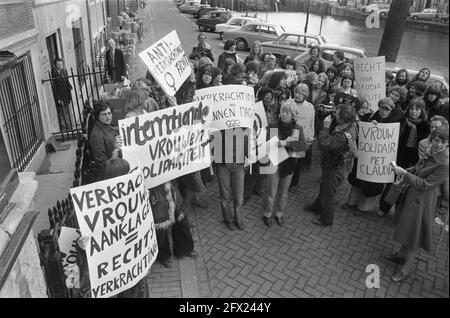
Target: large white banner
x=167 y=62
x=377 y=147
x=116 y=216
x=370 y=79
x=232 y=106
x=168 y=143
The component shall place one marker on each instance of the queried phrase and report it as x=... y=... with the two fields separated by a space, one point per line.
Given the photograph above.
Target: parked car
x=433 y=79
x=443 y=18
x=292 y=44
x=327 y=51
x=212 y=18
x=427 y=14
x=370 y=8
x=233 y=23
x=203 y=11
x=189 y=7
x=253 y=31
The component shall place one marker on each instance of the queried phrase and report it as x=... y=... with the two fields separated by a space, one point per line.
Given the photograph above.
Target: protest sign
x=67 y=242
x=116 y=216
x=370 y=82
x=377 y=147
x=275 y=153
x=167 y=62
x=168 y=143
x=232 y=106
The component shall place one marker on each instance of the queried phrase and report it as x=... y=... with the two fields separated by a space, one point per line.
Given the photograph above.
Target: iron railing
x=86 y=85
x=19 y=103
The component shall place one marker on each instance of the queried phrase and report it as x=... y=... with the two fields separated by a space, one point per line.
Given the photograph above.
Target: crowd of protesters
x=319 y=106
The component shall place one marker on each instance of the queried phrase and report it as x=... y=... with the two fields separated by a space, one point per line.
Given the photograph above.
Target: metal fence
x=86 y=86
x=19 y=103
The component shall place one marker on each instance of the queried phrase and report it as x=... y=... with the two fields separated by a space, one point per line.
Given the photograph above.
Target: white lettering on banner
x=168 y=143
x=377 y=147
x=370 y=80
x=232 y=106
x=167 y=62
x=116 y=216
x=67 y=242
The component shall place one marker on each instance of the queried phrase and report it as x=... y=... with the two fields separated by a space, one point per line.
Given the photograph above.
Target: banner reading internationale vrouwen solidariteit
x=116 y=215
x=231 y=106
x=370 y=82
x=168 y=143
x=377 y=147
x=167 y=62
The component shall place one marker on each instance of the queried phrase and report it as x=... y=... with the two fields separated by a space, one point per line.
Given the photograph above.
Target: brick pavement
x=300 y=259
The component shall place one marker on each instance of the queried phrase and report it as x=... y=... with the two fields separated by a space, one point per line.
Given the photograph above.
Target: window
x=78 y=43
x=289 y=40
x=252 y=28
x=311 y=41
x=236 y=22
x=268 y=30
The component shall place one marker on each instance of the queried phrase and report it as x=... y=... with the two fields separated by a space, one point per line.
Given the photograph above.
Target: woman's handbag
x=395 y=191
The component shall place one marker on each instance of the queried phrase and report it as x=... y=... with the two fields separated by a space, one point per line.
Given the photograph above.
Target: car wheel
x=241 y=44
x=202 y=28
x=221 y=36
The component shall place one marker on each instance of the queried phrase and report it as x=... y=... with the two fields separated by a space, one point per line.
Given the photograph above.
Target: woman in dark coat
x=413 y=128
x=415 y=212
x=433 y=103
x=229 y=53
x=338 y=146
x=363 y=195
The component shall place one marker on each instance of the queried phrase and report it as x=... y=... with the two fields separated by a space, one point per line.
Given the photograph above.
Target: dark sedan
x=212 y=18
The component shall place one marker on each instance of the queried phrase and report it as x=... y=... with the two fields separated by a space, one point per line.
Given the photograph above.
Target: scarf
x=412 y=137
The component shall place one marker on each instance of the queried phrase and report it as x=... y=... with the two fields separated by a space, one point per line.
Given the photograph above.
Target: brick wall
x=10 y=14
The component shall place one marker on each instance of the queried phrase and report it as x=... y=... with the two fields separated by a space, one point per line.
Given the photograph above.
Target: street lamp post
x=307 y=16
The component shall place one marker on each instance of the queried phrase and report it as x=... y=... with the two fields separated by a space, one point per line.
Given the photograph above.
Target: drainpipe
x=90 y=33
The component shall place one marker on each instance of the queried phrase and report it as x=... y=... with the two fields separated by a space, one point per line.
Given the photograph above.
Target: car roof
x=301 y=34
x=264 y=23
x=336 y=46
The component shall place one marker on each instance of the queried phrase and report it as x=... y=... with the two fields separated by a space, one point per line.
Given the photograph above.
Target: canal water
x=418 y=48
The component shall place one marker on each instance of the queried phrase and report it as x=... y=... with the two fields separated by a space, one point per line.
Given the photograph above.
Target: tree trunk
x=393 y=30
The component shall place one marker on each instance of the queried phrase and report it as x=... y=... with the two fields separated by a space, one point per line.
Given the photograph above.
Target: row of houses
x=33 y=33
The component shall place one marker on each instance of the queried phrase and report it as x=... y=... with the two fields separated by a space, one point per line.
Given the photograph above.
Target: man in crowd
x=115 y=63
x=62 y=93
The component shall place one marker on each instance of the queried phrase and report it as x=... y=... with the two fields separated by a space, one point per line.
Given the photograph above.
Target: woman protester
x=338 y=145
x=255 y=54
x=204 y=79
x=363 y=195
x=104 y=142
x=422 y=76
x=229 y=53
x=251 y=73
x=413 y=128
x=398 y=96
x=347 y=86
x=414 y=216
x=290 y=137
x=315 y=55
x=277 y=83
x=401 y=78
x=203 y=48
x=217 y=76
x=318 y=66
x=433 y=103
x=236 y=76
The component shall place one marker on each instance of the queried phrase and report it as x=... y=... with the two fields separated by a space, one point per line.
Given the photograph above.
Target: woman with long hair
x=255 y=54
x=204 y=79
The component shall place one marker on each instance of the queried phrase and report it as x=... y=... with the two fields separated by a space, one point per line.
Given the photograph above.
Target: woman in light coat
x=415 y=211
